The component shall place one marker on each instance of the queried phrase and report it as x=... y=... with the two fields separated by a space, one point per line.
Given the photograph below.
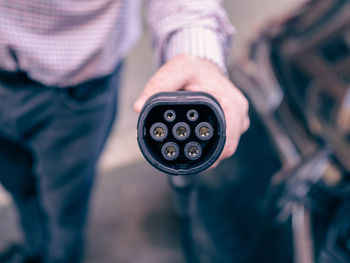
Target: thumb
x=173 y=76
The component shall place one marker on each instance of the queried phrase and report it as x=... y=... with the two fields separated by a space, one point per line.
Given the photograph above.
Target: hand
x=185 y=72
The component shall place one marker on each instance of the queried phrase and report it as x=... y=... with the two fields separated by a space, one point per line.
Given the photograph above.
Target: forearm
x=196 y=27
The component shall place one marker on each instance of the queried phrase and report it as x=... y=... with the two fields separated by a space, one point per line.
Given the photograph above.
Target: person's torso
x=65 y=42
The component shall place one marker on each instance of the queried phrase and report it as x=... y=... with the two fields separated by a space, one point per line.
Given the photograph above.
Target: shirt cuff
x=199 y=42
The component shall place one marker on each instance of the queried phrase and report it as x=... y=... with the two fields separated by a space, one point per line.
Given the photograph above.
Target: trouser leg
x=66 y=165
x=66 y=153
x=65 y=130
x=17 y=178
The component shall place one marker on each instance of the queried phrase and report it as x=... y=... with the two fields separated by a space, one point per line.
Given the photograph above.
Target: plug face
x=181 y=133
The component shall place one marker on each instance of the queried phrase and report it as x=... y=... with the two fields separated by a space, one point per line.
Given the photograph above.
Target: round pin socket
x=169 y=115
x=159 y=131
x=193 y=151
x=181 y=131
x=192 y=115
x=170 y=151
x=204 y=131
x=171 y=143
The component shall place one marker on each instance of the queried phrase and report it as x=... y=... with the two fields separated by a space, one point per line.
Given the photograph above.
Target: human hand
x=185 y=72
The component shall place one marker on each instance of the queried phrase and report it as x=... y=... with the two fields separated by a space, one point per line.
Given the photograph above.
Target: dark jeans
x=50 y=141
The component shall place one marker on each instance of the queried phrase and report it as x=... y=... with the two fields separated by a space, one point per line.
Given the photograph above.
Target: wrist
x=197 y=64
x=201 y=43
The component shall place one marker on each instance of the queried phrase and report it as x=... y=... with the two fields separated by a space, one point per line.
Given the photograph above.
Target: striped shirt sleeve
x=196 y=27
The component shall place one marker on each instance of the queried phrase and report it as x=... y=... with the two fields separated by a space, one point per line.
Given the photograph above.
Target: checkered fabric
x=65 y=42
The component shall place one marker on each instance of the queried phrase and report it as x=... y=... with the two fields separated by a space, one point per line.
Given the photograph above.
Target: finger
x=230 y=148
x=237 y=119
x=246 y=124
x=215 y=164
x=228 y=151
x=233 y=134
x=173 y=76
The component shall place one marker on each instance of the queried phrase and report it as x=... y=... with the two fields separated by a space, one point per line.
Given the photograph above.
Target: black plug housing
x=181 y=133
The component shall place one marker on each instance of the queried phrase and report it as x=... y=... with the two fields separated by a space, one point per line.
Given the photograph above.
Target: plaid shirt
x=65 y=42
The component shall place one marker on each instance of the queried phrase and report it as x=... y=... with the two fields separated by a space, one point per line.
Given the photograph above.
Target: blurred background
x=132 y=218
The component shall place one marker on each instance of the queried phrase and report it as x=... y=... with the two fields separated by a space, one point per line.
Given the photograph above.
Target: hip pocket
x=89 y=95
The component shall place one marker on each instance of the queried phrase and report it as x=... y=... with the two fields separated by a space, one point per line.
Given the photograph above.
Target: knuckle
x=245 y=104
x=229 y=151
x=153 y=84
x=246 y=124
